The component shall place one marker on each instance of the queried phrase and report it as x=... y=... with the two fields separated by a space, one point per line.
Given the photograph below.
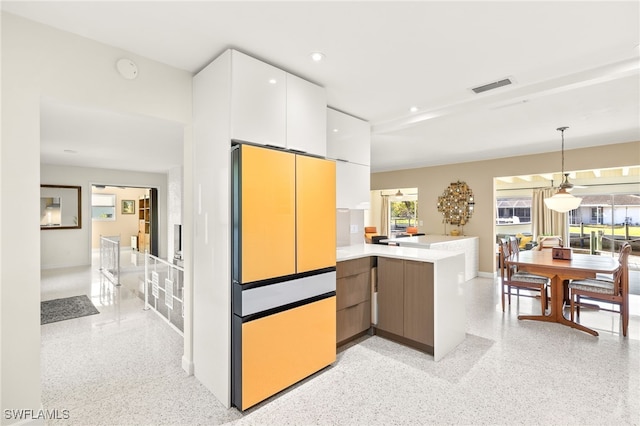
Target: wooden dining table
x=580 y=266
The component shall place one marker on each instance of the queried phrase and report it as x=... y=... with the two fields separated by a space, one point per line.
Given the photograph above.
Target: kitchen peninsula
x=417 y=295
x=467 y=244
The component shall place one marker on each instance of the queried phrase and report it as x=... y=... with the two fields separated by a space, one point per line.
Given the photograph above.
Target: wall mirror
x=60 y=207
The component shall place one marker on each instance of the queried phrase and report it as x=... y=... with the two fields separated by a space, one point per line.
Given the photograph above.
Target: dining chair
x=369 y=232
x=510 y=278
x=613 y=290
x=514 y=245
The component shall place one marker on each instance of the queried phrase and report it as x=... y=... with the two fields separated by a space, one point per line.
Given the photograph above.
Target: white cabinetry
x=348 y=138
x=234 y=97
x=258 y=101
x=352 y=185
x=272 y=107
x=306 y=116
x=349 y=142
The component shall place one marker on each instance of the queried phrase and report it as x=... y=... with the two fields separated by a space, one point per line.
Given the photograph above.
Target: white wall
x=40 y=61
x=431 y=181
x=72 y=247
x=174 y=206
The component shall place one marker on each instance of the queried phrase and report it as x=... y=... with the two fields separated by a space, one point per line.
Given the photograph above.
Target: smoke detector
x=127 y=68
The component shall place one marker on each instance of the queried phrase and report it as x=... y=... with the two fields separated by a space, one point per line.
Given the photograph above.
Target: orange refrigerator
x=283 y=270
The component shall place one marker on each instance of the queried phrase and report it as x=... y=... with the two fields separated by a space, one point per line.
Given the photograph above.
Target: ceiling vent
x=491 y=86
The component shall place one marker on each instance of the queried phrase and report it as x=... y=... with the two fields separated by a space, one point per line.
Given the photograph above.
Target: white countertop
x=408 y=253
x=429 y=239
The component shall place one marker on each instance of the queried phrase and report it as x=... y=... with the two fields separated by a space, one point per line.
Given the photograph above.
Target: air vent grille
x=491 y=86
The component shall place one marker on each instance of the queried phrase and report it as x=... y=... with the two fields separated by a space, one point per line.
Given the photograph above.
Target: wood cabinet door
x=306 y=116
x=418 y=301
x=391 y=295
x=316 y=213
x=268 y=217
x=258 y=101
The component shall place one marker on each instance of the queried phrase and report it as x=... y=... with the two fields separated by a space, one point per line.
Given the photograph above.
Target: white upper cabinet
x=272 y=107
x=348 y=138
x=258 y=101
x=306 y=116
x=352 y=185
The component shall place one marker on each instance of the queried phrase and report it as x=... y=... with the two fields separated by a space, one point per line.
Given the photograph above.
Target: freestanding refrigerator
x=283 y=270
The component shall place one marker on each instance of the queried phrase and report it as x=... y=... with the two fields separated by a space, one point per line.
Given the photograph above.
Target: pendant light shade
x=562 y=201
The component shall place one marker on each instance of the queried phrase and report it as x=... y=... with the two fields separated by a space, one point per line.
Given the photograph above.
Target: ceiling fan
x=566 y=185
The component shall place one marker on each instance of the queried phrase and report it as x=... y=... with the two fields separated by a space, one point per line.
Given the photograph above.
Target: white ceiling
x=573 y=64
x=107 y=139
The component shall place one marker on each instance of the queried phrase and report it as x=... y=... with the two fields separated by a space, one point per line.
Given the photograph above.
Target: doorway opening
x=394 y=211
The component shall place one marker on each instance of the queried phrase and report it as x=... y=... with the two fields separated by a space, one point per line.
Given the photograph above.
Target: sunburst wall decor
x=456 y=204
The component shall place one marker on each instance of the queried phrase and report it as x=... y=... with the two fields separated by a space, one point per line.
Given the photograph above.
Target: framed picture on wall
x=128 y=206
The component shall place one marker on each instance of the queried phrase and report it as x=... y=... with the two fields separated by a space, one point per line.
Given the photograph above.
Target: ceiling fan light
x=566 y=185
x=562 y=202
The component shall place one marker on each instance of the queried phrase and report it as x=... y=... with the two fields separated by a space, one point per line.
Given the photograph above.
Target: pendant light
x=399 y=194
x=562 y=201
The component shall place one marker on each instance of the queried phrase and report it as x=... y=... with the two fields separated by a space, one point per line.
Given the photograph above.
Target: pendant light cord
x=562 y=129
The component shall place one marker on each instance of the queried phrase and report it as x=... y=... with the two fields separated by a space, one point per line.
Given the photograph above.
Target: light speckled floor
x=122 y=367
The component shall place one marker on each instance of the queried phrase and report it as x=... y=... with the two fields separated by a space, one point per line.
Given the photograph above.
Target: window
x=612 y=218
x=596 y=215
x=403 y=214
x=513 y=210
x=103 y=207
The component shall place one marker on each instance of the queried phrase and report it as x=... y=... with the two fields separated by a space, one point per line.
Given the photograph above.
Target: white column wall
x=174 y=206
x=38 y=60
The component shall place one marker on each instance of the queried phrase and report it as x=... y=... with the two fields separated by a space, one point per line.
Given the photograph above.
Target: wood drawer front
x=353 y=289
x=353 y=320
x=353 y=267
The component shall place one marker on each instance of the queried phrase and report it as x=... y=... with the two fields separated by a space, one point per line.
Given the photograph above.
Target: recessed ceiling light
x=273 y=81
x=336 y=130
x=413 y=109
x=317 y=56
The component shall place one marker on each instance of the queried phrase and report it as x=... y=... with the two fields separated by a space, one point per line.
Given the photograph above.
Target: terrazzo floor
x=123 y=367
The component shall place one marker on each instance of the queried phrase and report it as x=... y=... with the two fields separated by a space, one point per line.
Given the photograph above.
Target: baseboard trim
x=487 y=275
x=187 y=365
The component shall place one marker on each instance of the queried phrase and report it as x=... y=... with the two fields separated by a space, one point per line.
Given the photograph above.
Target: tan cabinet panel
x=281 y=349
x=268 y=213
x=418 y=302
x=391 y=295
x=316 y=213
